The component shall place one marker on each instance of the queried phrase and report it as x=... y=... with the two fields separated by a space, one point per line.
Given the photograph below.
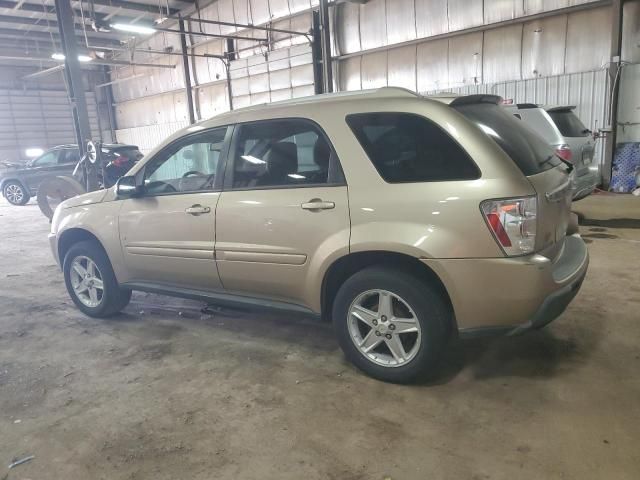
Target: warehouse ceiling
x=30 y=28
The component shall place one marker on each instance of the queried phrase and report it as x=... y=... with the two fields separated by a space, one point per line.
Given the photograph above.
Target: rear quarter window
x=529 y=151
x=407 y=148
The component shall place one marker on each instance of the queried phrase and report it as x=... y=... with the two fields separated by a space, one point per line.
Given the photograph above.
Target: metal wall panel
x=501 y=54
x=374 y=70
x=433 y=65
x=501 y=10
x=629 y=105
x=543 y=47
x=431 y=18
x=148 y=137
x=537 y=6
x=631 y=31
x=465 y=14
x=259 y=11
x=402 y=67
x=279 y=8
x=349 y=74
x=465 y=59
x=298 y=5
x=348 y=32
x=588 y=44
x=38 y=118
x=401 y=21
x=373 y=25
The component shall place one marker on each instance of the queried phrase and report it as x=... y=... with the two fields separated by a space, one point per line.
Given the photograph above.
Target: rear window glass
x=569 y=124
x=132 y=153
x=408 y=148
x=525 y=147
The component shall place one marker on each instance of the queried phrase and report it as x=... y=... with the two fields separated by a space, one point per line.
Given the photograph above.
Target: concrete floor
x=165 y=392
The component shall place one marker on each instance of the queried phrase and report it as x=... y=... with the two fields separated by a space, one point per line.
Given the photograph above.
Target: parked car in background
x=455 y=221
x=572 y=141
x=19 y=183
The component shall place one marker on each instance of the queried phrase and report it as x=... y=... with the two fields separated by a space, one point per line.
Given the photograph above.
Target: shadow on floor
x=609 y=223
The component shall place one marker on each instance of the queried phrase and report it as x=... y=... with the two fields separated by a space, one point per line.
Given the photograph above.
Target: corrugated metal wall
x=38 y=118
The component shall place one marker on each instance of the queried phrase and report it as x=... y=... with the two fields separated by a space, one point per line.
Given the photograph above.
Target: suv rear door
x=283 y=211
x=548 y=174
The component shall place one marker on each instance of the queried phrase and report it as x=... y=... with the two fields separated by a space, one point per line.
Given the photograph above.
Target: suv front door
x=283 y=212
x=167 y=234
x=45 y=166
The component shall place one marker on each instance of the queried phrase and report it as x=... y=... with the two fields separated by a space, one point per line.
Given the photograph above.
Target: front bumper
x=512 y=295
x=53 y=243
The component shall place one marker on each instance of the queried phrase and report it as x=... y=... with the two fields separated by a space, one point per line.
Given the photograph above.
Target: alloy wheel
x=86 y=281
x=14 y=193
x=384 y=328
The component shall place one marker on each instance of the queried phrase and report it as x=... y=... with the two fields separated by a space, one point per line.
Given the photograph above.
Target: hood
x=84 y=199
x=5 y=165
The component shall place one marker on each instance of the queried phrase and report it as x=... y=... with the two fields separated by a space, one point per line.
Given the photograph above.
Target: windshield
x=525 y=147
x=569 y=124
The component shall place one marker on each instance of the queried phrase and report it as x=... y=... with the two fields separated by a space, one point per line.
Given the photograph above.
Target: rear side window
x=526 y=148
x=569 y=124
x=409 y=148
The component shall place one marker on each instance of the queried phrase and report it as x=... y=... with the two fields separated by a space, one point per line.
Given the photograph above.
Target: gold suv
x=401 y=218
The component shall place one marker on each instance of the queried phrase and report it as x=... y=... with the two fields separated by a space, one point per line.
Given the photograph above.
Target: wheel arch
x=71 y=236
x=4 y=181
x=345 y=266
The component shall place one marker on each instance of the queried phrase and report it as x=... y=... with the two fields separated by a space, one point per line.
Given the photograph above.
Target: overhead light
x=125 y=27
x=81 y=58
x=160 y=20
x=33 y=152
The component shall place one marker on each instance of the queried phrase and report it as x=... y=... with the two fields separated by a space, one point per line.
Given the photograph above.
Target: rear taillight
x=120 y=161
x=564 y=152
x=513 y=223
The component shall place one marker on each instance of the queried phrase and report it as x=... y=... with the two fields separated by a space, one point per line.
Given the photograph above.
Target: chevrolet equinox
x=400 y=218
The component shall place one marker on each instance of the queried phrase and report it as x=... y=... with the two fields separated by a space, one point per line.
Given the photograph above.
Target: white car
x=572 y=141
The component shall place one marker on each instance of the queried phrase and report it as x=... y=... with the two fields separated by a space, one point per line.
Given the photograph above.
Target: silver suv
x=402 y=219
x=572 y=141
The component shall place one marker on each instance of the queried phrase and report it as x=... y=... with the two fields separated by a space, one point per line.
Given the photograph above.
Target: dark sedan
x=19 y=183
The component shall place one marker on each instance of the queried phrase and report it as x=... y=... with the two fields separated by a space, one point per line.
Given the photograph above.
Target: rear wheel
x=15 y=193
x=390 y=324
x=91 y=282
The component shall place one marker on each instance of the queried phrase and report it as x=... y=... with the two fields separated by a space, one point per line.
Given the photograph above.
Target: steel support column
x=187 y=72
x=614 y=72
x=230 y=55
x=316 y=54
x=325 y=34
x=75 y=83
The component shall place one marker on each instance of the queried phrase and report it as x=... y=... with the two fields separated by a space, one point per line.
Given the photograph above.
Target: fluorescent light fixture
x=33 y=152
x=252 y=159
x=81 y=58
x=160 y=20
x=125 y=27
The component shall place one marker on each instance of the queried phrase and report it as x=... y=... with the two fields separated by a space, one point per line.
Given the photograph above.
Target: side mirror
x=127 y=187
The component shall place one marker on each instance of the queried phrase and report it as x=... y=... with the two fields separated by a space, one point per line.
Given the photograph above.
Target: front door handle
x=197 y=210
x=316 y=204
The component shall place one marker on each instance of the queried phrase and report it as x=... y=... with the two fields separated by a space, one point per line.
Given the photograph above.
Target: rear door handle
x=317 y=204
x=197 y=210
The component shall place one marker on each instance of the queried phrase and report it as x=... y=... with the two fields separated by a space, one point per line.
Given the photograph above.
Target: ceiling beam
x=49 y=10
x=137 y=7
x=46 y=37
x=45 y=23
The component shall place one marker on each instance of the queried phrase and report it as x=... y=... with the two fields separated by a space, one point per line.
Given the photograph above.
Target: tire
x=411 y=297
x=112 y=299
x=15 y=193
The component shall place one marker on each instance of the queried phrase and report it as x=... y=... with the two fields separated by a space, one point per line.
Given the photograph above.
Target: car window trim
x=335 y=175
x=436 y=124
x=217 y=183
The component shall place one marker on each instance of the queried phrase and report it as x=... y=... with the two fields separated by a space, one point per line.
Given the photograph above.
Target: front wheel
x=390 y=324
x=15 y=193
x=90 y=281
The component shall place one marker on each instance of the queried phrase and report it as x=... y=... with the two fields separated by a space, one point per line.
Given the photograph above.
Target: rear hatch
x=547 y=173
x=576 y=135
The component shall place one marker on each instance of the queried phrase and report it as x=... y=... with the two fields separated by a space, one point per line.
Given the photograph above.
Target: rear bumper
x=512 y=295
x=584 y=185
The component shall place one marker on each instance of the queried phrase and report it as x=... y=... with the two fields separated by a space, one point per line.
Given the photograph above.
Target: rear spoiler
x=473 y=99
x=563 y=108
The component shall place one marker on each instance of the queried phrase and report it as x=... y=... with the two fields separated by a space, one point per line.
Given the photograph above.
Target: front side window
x=280 y=153
x=409 y=148
x=186 y=166
x=46 y=160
